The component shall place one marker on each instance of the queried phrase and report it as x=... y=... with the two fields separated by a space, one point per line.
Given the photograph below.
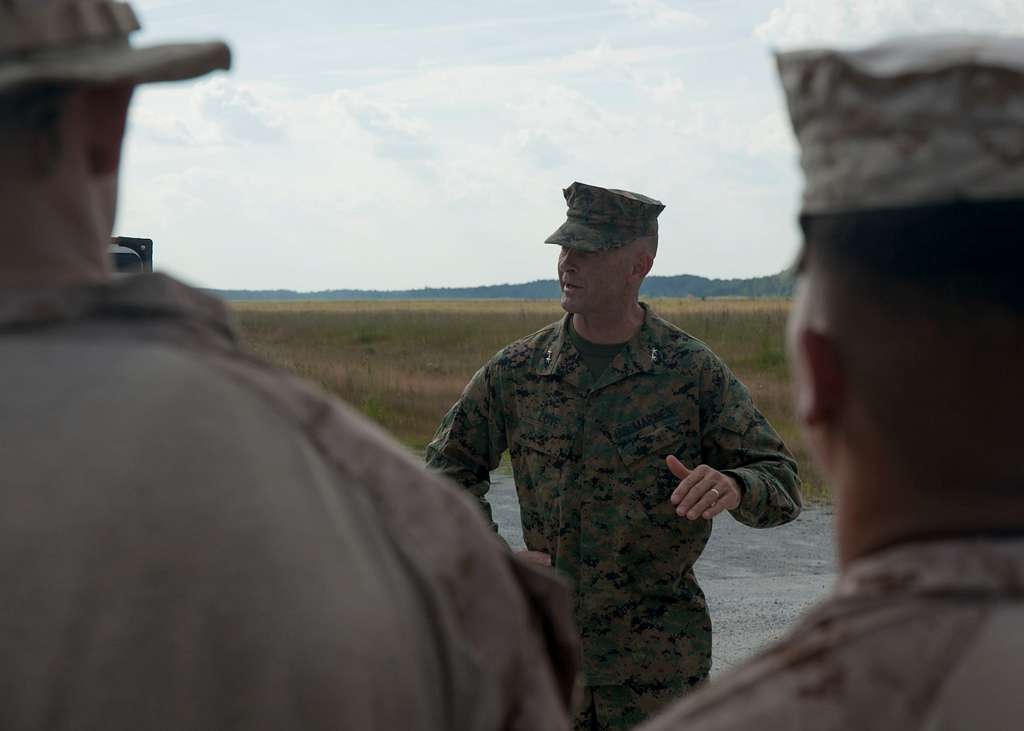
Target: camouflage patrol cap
x=86 y=42
x=605 y=218
x=909 y=122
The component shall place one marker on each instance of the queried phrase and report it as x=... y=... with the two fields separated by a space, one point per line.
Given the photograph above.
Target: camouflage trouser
x=615 y=707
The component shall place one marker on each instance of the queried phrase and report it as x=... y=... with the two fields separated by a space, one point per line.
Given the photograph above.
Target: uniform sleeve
x=471 y=439
x=737 y=440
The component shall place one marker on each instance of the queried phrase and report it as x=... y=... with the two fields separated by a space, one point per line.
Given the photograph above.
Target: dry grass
x=403 y=363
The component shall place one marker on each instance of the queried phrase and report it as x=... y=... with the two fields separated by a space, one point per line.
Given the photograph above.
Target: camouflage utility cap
x=604 y=218
x=86 y=42
x=917 y=121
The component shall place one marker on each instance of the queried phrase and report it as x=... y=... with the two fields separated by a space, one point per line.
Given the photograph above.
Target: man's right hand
x=538 y=557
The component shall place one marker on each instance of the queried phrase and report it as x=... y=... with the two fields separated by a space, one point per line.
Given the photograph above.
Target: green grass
x=404 y=364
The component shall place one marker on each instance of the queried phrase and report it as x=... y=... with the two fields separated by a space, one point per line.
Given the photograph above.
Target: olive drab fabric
x=190 y=538
x=589 y=465
x=923 y=636
x=605 y=218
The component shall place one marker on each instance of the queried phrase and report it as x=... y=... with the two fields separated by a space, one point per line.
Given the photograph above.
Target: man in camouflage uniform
x=907 y=340
x=589 y=408
x=190 y=539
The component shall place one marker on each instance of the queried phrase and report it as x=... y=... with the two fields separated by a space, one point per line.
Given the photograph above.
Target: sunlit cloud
x=849 y=22
x=397 y=146
x=661 y=14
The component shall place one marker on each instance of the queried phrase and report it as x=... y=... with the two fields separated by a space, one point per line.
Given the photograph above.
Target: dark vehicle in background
x=129 y=255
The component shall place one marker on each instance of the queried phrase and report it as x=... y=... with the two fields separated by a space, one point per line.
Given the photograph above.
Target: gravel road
x=756 y=581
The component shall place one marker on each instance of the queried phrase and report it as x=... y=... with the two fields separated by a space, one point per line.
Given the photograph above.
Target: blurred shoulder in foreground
x=190 y=538
x=907 y=343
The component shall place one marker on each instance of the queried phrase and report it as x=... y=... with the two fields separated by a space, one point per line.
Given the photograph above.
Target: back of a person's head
x=49 y=49
x=915 y=192
x=929 y=303
x=67 y=73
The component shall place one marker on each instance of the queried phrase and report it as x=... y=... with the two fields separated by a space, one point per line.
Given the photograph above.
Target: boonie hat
x=86 y=42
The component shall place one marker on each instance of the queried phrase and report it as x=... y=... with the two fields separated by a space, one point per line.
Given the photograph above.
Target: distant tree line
x=682 y=285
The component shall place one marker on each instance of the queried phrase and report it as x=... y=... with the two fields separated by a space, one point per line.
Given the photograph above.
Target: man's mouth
x=566 y=285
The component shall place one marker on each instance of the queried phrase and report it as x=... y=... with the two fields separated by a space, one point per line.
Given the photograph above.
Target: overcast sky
x=392 y=145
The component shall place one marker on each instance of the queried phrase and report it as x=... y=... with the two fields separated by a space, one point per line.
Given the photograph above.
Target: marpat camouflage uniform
x=589 y=464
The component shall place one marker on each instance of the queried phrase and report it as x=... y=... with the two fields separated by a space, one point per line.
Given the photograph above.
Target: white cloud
x=601 y=57
x=771 y=134
x=396 y=134
x=538 y=146
x=239 y=113
x=162 y=130
x=216 y=111
x=660 y=14
x=849 y=22
x=398 y=174
x=667 y=89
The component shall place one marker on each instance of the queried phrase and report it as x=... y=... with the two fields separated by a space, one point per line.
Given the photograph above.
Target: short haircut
x=30 y=115
x=928 y=307
x=965 y=252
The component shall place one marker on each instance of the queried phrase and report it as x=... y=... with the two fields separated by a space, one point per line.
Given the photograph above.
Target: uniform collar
x=642 y=354
x=985 y=565
x=138 y=296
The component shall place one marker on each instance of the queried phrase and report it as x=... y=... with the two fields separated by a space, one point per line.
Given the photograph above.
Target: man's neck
x=52 y=237
x=605 y=328
x=870 y=519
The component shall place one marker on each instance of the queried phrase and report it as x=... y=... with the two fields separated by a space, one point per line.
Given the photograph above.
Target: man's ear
x=106 y=115
x=822 y=385
x=642 y=264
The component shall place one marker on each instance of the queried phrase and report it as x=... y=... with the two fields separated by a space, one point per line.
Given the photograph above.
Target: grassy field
x=404 y=363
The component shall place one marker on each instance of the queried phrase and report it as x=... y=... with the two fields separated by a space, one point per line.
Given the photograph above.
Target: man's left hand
x=703 y=492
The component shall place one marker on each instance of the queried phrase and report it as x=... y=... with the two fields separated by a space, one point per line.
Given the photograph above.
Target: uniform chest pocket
x=656 y=440
x=547 y=438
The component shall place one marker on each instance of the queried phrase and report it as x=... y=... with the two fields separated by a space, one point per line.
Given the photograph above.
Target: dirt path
x=756 y=581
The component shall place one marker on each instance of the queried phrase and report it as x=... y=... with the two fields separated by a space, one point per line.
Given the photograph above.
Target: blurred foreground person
x=907 y=344
x=188 y=537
